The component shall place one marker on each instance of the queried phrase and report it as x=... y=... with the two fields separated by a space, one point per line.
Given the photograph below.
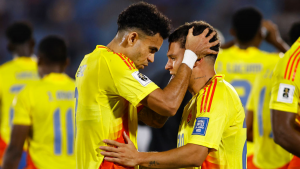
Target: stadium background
x=86 y=23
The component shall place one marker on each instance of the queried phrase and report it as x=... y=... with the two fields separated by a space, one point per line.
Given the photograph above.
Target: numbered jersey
x=215 y=118
x=109 y=87
x=285 y=94
x=267 y=154
x=14 y=75
x=48 y=106
x=241 y=67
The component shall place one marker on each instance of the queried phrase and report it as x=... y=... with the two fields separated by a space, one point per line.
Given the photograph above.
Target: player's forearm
x=186 y=156
x=281 y=45
x=175 y=91
x=151 y=118
x=12 y=158
x=285 y=131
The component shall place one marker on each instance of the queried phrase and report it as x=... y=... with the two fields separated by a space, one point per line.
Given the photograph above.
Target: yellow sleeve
x=284 y=95
x=208 y=128
x=22 y=108
x=130 y=83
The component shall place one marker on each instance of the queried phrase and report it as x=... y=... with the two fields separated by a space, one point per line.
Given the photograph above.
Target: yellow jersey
x=215 y=118
x=108 y=89
x=48 y=106
x=240 y=66
x=14 y=75
x=267 y=154
x=285 y=95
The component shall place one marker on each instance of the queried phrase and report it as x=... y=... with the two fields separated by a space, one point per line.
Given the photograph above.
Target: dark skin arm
x=167 y=101
x=126 y=154
x=249 y=122
x=152 y=119
x=14 y=150
x=286 y=132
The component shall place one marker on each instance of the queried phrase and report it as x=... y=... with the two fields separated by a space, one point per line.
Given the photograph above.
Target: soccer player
x=212 y=133
x=267 y=154
x=44 y=113
x=14 y=75
x=242 y=62
x=109 y=86
x=285 y=100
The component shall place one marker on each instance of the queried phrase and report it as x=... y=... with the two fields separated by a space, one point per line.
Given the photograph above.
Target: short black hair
x=145 y=17
x=246 y=22
x=54 y=49
x=294 y=32
x=179 y=35
x=19 y=33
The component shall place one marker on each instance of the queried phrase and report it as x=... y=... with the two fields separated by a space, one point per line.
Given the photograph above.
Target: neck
x=52 y=69
x=253 y=43
x=200 y=80
x=22 y=50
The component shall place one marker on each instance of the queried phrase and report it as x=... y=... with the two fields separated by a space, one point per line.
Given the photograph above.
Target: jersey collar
x=56 y=77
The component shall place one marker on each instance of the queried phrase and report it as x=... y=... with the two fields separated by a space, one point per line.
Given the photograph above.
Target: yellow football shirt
x=48 y=106
x=215 y=118
x=285 y=94
x=108 y=89
x=267 y=154
x=240 y=67
x=14 y=75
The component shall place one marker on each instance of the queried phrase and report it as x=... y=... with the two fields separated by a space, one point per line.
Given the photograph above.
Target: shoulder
x=6 y=65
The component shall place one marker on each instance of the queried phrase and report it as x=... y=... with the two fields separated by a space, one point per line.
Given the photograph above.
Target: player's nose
x=151 y=58
x=169 y=65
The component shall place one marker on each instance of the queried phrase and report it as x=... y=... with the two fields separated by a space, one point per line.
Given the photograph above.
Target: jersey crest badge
x=200 y=126
x=143 y=79
x=285 y=93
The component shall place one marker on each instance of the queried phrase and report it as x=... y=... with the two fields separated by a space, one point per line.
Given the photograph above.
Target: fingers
x=110 y=154
x=205 y=32
x=212 y=35
x=112 y=149
x=115 y=160
x=214 y=43
x=191 y=31
x=128 y=141
x=113 y=143
x=212 y=52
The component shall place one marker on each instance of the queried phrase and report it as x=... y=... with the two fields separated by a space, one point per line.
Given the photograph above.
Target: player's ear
x=132 y=38
x=198 y=62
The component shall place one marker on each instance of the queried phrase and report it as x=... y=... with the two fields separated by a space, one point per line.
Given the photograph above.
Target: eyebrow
x=153 y=48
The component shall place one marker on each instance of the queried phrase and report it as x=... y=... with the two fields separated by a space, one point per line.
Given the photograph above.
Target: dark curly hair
x=294 y=32
x=145 y=17
x=179 y=35
x=19 y=32
x=54 y=49
x=246 y=22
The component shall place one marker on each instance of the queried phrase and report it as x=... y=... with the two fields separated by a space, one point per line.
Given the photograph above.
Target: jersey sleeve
x=130 y=83
x=208 y=128
x=284 y=95
x=22 y=108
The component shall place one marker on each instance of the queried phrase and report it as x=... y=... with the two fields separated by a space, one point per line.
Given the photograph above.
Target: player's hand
x=200 y=44
x=124 y=154
x=273 y=35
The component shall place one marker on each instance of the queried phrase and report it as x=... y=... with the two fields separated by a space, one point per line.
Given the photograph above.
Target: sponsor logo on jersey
x=81 y=70
x=141 y=78
x=285 y=93
x=200 y=126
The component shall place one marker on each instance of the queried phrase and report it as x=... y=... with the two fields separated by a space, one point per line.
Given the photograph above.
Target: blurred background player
x=267 y=154
x=212 y=122
x=285 y=99
x=109 y=86
x=44 y=113
x=244 y=60
x=14 y=75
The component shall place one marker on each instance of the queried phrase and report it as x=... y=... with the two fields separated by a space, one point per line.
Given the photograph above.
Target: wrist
x=189 y=58
x=141 y=157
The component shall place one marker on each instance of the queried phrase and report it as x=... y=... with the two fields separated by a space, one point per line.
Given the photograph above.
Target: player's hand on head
x=273 y=35
x=124 y=154
x=200 y=44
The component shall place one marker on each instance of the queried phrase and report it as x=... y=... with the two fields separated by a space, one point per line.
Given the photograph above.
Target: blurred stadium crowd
x=85 y=24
